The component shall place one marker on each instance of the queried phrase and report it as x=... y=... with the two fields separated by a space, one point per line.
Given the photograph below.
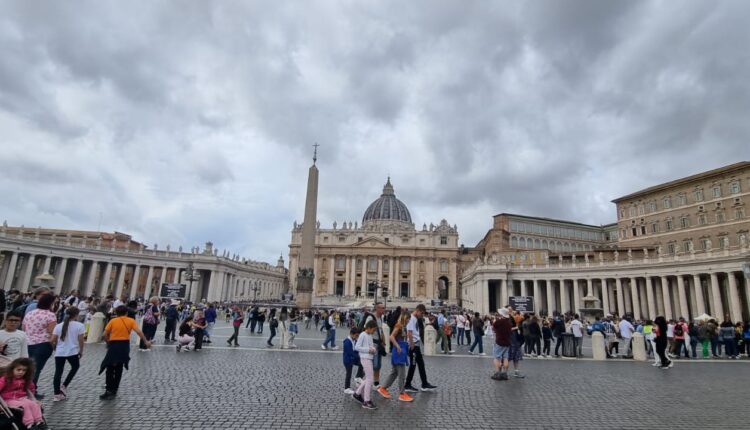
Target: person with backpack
x=150 y=322
x=415 y=334
x=399 y=360
x=329 y=324
x=477 y=325
x=680 y=331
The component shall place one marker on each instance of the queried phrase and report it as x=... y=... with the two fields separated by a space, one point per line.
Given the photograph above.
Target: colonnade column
x=503 y=293
x=24 y=286
x=121 y=280
x=699 y=302
x=11 y=272
x=89 y=286
x=47 y=264
x=76 y=275
x=620 y=297
x=605 y=296
x=352 y=276
x=576 y=295
x=105 y=280
x=524 y=289
x=564 y=297
x=550 y=298
x=650 y=297
x=149 y=283
x=734 y=298
x=666 y=296
x=484 y=285
x=634 y=297
x=537 y=297
x=684 y=309
x=134 y=281
x=60 y=275
x=718 y=310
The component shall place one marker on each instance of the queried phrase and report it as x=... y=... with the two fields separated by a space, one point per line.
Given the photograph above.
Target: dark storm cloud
x=194 y=122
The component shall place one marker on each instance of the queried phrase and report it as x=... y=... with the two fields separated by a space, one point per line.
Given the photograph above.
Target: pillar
x=47 y=263
x=524 y=289
x=503 y=293
x=659 y=297
x=718 y=310
x=605 y=296
x=576 y=295
x=352 y=276
x=484 y=306
x=564 y=297
x=106 y=278
x=120 y=280
x=413 y=282
x=537 y=297
x=162 y=281
x=698 y=287
x=149 y=283
x=89 y=287
x=134 y=282
x=650 y=298
x=735 y=312
x=60 y=275
x=682 y=295
x=551 y=307
x=332 y=276
x=8 y=284
x=29 y=269
x=636 y=300
x=76 y=275
x=665 y=294
x=620 y=297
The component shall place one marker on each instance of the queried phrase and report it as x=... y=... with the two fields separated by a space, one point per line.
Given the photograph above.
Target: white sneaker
x=335 y=348
x=349 y=391
x=323 y=347
x=482 y=353
x=357 y=381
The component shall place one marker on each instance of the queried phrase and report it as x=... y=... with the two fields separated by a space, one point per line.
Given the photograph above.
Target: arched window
x=514 y=242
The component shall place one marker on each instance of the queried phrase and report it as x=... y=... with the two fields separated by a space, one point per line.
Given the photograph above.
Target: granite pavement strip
x=254 y=387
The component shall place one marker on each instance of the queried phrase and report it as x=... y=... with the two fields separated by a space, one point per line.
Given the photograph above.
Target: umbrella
x=703 y=317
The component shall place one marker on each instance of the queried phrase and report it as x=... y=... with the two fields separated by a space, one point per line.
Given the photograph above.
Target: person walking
x=477 y=326
x=414 y=332
x=576 y=327
x=399 y=360
x=460 y=327
x=150 y=322
x=210 y=315
x=38 y=325
x=330 y=326
x=117 y=335
x=662 y=341
x=273 y=324
x=293 y=328
x=171 y=316
x=366 y=348
x=351 y=359
x=67 y=340
x=534 y=335
x=236 y=324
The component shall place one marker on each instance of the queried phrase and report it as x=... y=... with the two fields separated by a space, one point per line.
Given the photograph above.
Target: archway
x=443 y=288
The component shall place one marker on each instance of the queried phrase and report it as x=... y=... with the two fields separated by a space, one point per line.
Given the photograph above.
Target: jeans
x=535 y=345
x=170 y=328
x=210 y=329
x=415 y=359
x=273 y=334
x=235 y=336
x=730 y=347
x=558 y=344
x=679 y=344
x=60 y=367
x=547 y=343
x=477 y=341
x=260 y=327
x=460 y=336
x=693 y=345
x=149 y=331
x=40 y=353
x=578 y=346
x=467 y=332
x=715 y=346
x=330 y=338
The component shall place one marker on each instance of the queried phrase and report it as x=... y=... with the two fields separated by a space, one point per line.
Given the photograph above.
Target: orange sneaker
x=383 y=392
x=403 y=397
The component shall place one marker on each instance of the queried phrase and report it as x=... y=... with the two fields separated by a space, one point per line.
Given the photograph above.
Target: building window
x=734 y=187
x=667 y=203
x=681 y=200
x=670 y=248
x=641 y=210
x=342 y=238
x=669 y=225
x=687 y=245
x=652 y=206
x=698 y=194
x=421 y=241
x=720 y=217
x=404 y=241
x=704 y=244
x=635 y=232
x=325 y=239
x=340 y=263
x=359 y=264
x=359 y=239
x=724 y=242
x=632 y=211
x=387 y=240
x=372 y=264
x=404 y=264
x=622 y=213
x=685 y=222
x=443 y=265
x=386 y=265
x=739 y=213
x=717 y=191
x=443 y=240
x=643 y=229
x=702 y=220
x=654 y=228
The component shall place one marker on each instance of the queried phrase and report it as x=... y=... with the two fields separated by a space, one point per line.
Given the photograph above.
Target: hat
x=503 y=312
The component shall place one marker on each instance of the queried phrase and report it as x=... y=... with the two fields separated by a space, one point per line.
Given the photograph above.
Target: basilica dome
x=387 y=208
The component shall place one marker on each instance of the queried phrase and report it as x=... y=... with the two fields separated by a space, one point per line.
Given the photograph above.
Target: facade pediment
x=373 y=242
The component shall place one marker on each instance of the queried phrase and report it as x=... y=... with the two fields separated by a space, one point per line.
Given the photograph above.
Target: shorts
x=500 y=352
x=515 y=353
x=376 y=360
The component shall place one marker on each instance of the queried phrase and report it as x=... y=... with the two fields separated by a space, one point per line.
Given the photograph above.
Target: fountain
x=591 y=309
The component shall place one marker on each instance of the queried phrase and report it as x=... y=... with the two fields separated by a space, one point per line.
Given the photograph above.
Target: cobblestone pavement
x=252 y=387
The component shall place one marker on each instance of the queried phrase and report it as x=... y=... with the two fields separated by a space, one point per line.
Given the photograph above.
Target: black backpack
x=678 y=331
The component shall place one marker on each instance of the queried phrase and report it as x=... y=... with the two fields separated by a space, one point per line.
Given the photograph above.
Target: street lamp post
x=191 y=275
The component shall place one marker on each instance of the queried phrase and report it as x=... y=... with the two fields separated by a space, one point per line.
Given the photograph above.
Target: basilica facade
x=385 y=250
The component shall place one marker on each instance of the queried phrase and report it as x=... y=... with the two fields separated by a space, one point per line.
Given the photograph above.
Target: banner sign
x=173 y=291
x=522 y=303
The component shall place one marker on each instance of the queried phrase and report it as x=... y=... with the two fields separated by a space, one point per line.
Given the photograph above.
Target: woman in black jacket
x=661 y=342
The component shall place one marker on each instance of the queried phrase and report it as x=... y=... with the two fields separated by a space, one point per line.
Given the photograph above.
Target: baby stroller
x=12 y=418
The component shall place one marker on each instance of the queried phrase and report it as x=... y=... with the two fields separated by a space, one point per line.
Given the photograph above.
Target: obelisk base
x=304 y=292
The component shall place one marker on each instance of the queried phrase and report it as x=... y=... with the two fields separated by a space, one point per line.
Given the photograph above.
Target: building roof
x=534 y=218
x=387 y=207
x=703 y=175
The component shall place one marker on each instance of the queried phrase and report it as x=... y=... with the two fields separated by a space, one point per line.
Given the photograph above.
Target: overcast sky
x=181 y=122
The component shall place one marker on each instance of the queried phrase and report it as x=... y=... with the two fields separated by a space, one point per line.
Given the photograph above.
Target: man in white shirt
x=414 y=337
x=460 y=322
x=626 y=332
x=576 y=329
x=83 y=307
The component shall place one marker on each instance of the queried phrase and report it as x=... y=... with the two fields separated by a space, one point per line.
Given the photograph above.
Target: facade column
x=605 y=296
x=735 y=312
x=484 y=284
x=8 y=281
x=76 y=275
x=524 y=288
x=351 y=274
x=612 y=298
x=414 y=289
x=650 y=298
x=60 y=275
x=89 y=287
x=537 y=297
x=503 y=293
x=121 y=280
x=636 y=301
x=149 y=283
x=684 y=309
x=620 y=298
x=576 y=295
x=564 y=297
x=26 y=280
x=550 y=298
x=105 y=280
x=665 y=292
x=162 y=281
x=332 y=277
x=47 y=264
x=134 y=282
x=698 y=290
x=718 y=310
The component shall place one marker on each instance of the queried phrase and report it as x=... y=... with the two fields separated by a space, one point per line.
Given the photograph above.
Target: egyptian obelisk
x=306 y=274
